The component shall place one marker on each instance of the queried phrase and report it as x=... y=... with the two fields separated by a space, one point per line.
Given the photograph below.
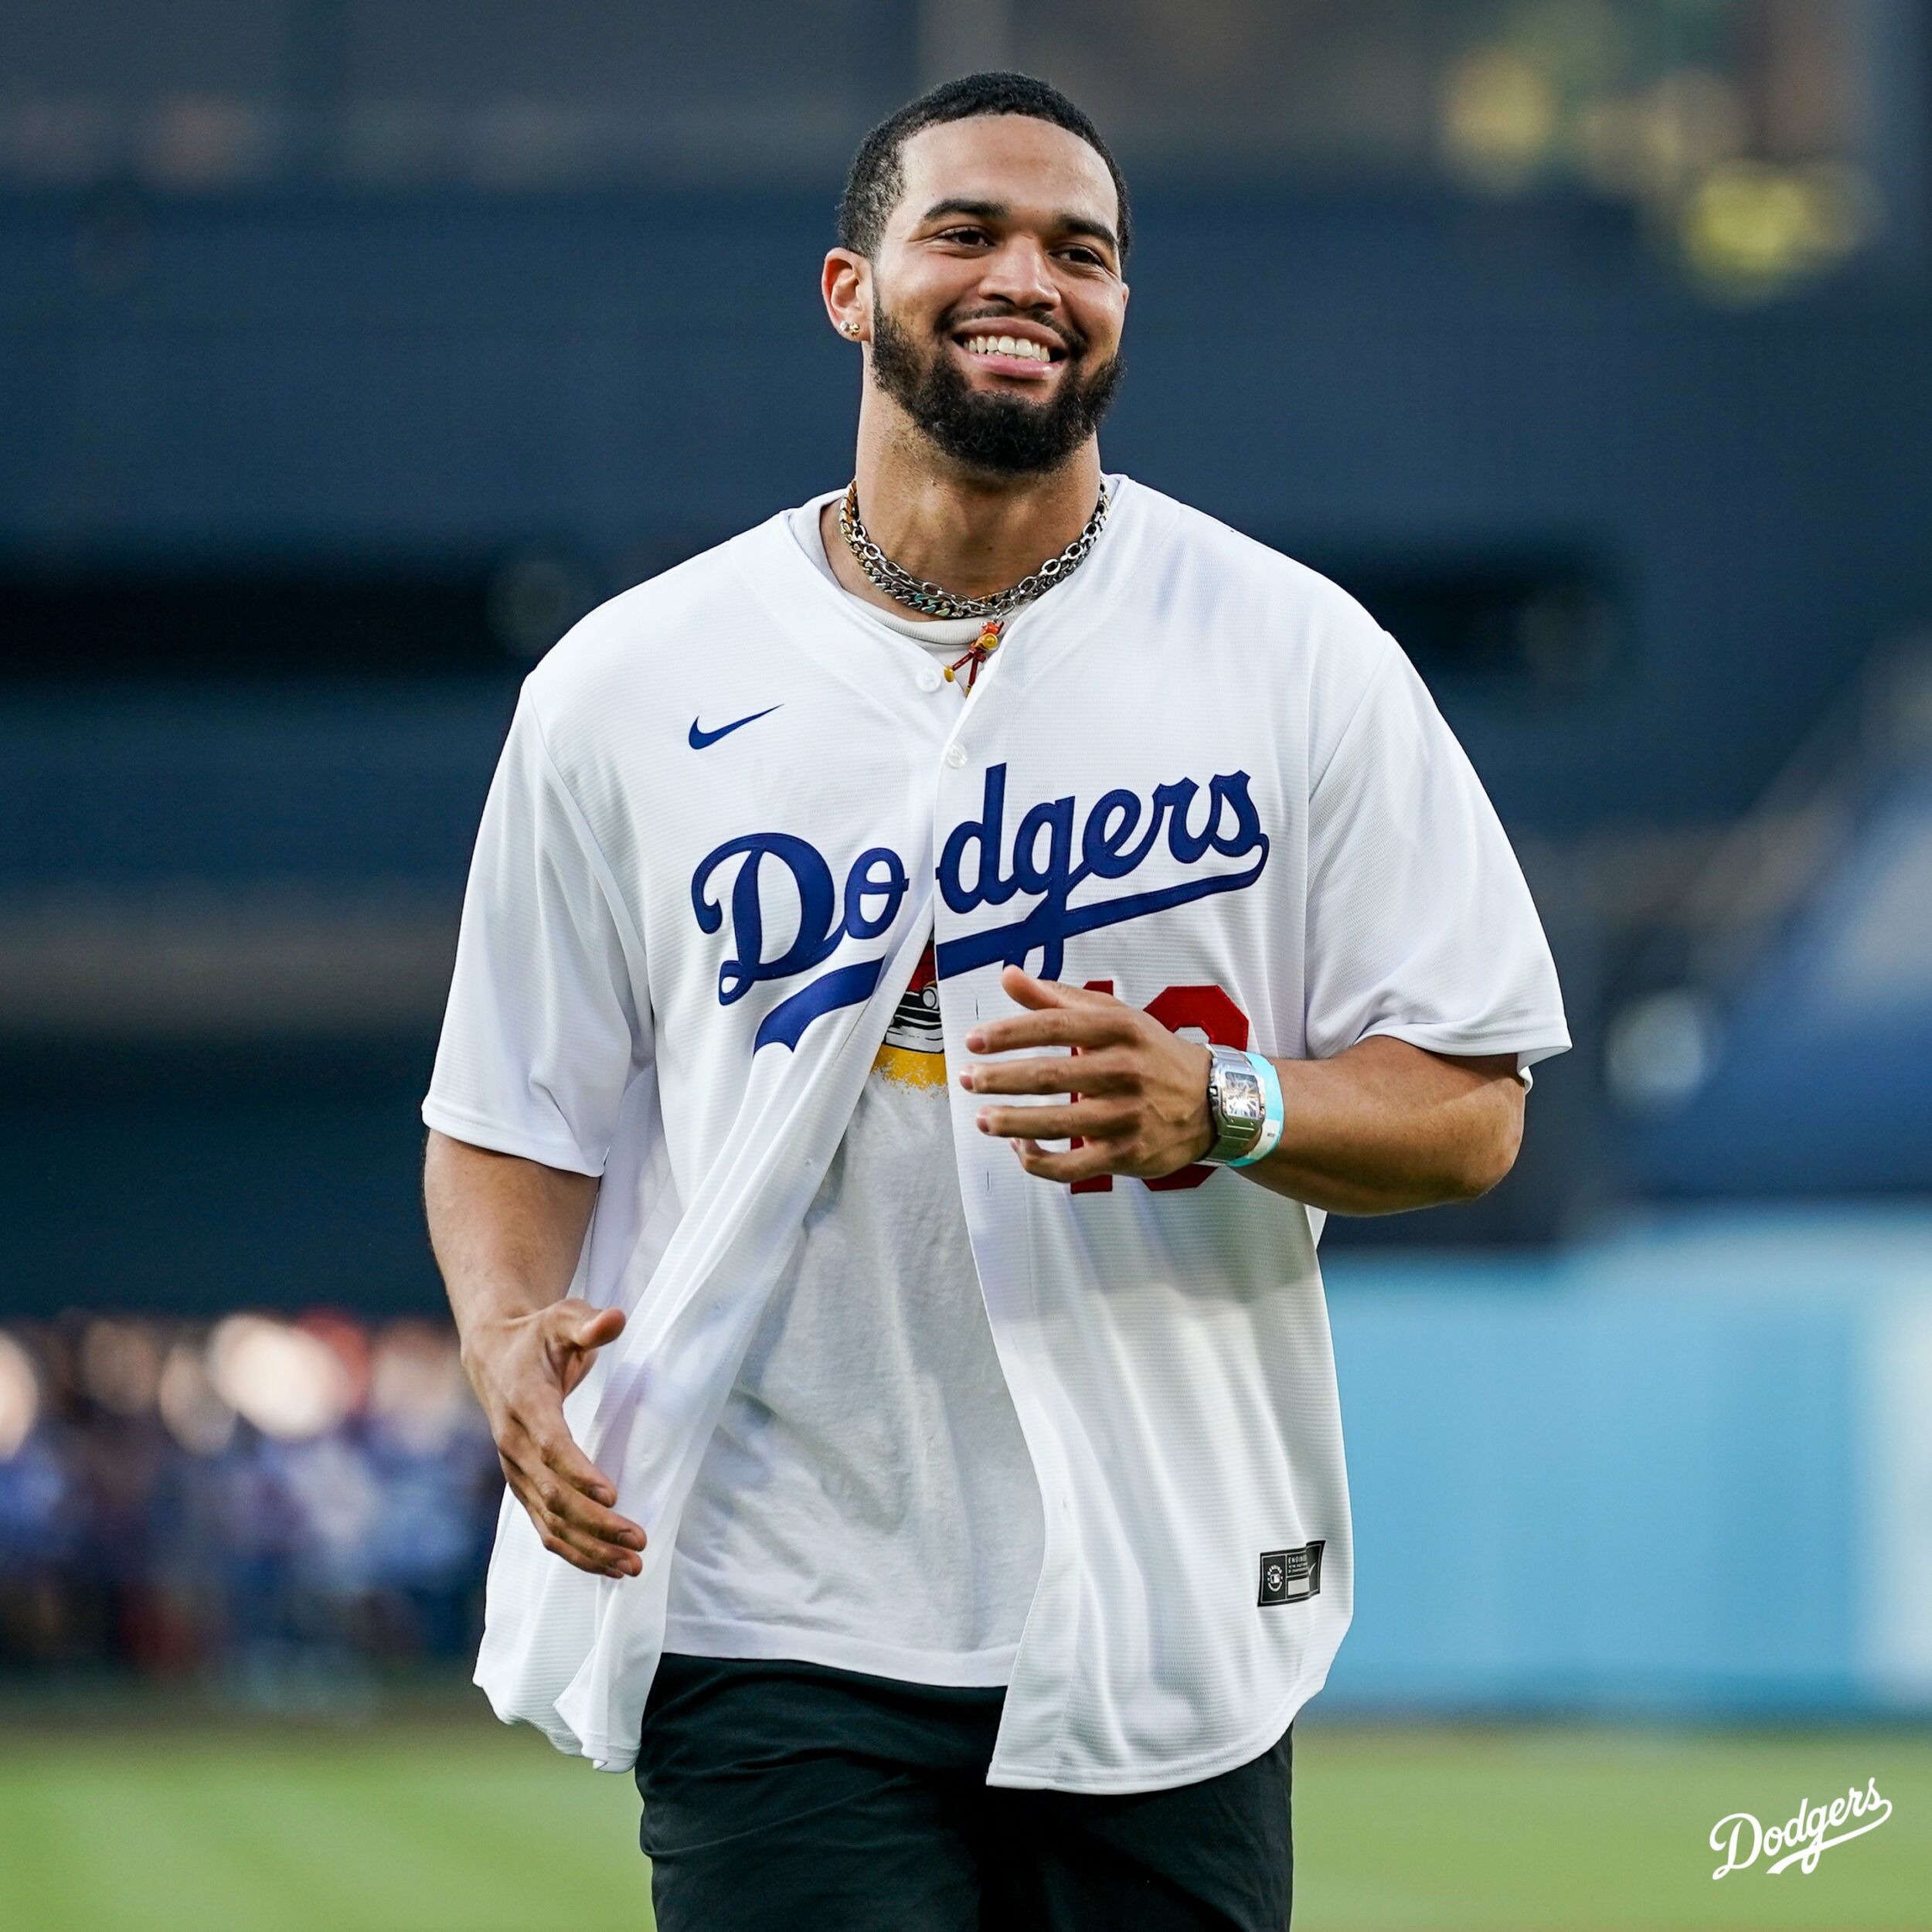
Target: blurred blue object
x=1682 y=1470
x=239 y=1503
x=1821 y=1075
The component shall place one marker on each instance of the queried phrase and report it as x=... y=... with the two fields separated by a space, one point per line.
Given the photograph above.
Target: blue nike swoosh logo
x=699 y=738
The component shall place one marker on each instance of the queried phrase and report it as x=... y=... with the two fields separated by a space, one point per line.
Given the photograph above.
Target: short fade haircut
x=877 y=180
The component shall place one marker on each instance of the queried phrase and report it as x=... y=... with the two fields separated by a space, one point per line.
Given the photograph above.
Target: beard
x=1002 y=435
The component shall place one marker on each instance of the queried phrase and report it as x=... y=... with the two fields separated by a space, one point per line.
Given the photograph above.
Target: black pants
x=786 y=1798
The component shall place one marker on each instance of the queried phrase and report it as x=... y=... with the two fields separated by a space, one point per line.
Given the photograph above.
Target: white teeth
x=1020 y=345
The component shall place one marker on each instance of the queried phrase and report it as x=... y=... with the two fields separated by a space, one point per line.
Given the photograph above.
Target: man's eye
x=1086 y=256
x=962 y=234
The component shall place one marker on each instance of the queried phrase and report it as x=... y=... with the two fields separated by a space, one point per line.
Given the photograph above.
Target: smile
x=1009 y=348
x=1024 y=347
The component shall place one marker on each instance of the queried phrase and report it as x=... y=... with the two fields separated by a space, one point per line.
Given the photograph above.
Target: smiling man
x=930 y=965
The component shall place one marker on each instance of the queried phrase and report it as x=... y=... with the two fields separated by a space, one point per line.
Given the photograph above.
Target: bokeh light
x=120 y=1365
x=1501 y=115
x=1749 y=227
x=418 y=1396
x=196 y=1417
x=1734 y=158
x=19 y=1397
x=1660 y=1050
x=286 y=1381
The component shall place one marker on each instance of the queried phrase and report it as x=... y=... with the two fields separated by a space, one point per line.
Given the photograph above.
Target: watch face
x=1240 y=1108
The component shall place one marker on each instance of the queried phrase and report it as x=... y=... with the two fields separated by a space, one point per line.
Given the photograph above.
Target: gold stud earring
x=851 y=329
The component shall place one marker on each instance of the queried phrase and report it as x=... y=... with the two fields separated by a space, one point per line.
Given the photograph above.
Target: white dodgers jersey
x=729 y=816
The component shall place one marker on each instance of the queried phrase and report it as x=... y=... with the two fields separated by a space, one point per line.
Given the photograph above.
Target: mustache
x=1070 y=339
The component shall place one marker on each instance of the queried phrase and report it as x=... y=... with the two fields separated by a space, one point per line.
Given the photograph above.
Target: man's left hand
x=1142 y=1106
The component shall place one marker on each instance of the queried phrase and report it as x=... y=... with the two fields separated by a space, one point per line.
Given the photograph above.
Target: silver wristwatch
x=1237 y=1106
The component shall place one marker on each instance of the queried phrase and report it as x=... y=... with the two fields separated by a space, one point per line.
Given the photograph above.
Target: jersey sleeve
x=545 y=1029
x=1419 y=924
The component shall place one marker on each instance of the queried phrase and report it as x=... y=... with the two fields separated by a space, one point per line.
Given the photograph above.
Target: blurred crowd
x=250 y=1497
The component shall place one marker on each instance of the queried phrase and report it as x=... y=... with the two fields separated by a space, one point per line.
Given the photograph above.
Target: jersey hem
x=607 y=1754
x=477 y=1130
x=775 y=1644
x=1188 y=1770
x=1529 y=1046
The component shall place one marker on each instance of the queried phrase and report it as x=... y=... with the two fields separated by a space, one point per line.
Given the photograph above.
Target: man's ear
x=845 y=282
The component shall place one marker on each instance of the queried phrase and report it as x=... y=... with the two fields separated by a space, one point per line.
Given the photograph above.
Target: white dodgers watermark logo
x=1804 y=1837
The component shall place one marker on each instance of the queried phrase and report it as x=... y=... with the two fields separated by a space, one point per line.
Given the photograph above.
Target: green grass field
x=458 y=1826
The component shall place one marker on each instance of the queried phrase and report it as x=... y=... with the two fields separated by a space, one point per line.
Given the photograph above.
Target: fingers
x=1057 y=1014
x=595 y=1328
x=1076 y=1164
x=1020 y=984
x=1062 y=1015
x=572 y=1324
x=568 y=1498
x=530 y=1365
x=1107 y=1024
x=573 y=1332
x=578 y=1546
x=584 y=1489
x=1102 y=1072
x=570 y=1525
x=1090 y=1120
x=566 y=1483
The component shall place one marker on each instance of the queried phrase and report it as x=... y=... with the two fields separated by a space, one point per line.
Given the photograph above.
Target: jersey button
x=955 y=755
x=929 y=680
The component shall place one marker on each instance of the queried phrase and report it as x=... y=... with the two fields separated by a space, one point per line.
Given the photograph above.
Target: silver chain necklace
x=915 y=592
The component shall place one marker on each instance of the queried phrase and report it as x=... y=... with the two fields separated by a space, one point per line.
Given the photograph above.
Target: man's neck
x=973 y=535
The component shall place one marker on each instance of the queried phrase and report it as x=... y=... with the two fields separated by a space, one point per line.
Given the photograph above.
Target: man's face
x=998 y=300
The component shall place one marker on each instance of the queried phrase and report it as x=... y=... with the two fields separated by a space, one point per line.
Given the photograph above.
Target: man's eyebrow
x=1087 y=225
x=1067 y=224
x=956 y=204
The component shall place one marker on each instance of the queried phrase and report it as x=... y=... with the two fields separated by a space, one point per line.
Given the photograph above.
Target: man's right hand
x=507 y=1232
x=521 y=1367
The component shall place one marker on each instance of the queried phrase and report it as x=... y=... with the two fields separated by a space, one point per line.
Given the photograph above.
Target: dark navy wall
x=628 y=377
x=428 y=384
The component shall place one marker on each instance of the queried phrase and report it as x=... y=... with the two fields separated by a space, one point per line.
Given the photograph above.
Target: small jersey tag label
x=1291 y=1575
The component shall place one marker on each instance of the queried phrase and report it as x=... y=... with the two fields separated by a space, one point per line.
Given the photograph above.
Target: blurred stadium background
x=349 y=352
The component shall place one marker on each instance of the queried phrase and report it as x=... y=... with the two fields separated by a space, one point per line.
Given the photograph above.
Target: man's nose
x=1018 y=272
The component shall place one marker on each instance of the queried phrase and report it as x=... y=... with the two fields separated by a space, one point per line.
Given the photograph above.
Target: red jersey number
x=1206 y=1010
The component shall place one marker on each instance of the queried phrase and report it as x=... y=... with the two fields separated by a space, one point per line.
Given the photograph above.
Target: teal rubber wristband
x=1276 y=1116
